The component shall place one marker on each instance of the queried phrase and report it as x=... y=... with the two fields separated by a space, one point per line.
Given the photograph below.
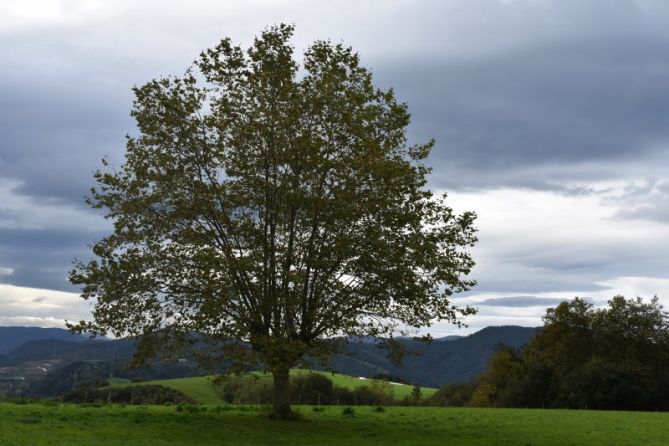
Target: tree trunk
x=282 y=409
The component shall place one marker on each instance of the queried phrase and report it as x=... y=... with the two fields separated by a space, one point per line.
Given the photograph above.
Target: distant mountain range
x=443 y=361
x=13 y=337
x=446 y=360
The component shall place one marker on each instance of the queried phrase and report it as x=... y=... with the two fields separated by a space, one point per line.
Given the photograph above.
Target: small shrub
x=379 y=409
x=348 y=412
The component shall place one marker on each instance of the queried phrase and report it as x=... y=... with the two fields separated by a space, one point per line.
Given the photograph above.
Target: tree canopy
x=585 y=357
x=267 y=207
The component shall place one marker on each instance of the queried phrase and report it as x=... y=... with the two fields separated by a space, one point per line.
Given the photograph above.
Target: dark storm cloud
x=42 y=258
x=52 y=137
x=596 y=89
x=53 y=133
x=498 y=119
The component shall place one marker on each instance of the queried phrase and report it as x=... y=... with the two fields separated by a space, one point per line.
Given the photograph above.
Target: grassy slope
x=118 y=381
x=351 y=382
x=163 y=425
x=200 y=388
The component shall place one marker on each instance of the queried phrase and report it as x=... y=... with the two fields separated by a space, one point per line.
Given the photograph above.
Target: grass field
x=201 y=390
x=34 y=424
x=198 y=388
x=351 y=382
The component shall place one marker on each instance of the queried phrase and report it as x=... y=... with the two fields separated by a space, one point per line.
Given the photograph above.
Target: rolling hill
x=14 y=337
x=200 y=388
x=435 y=364
x=453 y=359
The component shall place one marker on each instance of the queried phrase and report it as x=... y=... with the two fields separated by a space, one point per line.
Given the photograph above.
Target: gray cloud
x=541 y=85
x=43 y=258
x=521 y=301
x=581 y=264
x=647 y=200
x=528 y=95
x=51 y=139
x=500 y=118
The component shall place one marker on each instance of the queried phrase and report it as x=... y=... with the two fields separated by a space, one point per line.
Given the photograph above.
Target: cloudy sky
x=551 y=119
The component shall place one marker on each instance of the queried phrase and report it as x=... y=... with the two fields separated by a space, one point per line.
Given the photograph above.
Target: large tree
x=270 y=207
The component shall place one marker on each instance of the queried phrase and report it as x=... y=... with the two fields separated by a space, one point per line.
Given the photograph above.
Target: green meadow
x=201 y=389
x=37 y=424
x=351 y=382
